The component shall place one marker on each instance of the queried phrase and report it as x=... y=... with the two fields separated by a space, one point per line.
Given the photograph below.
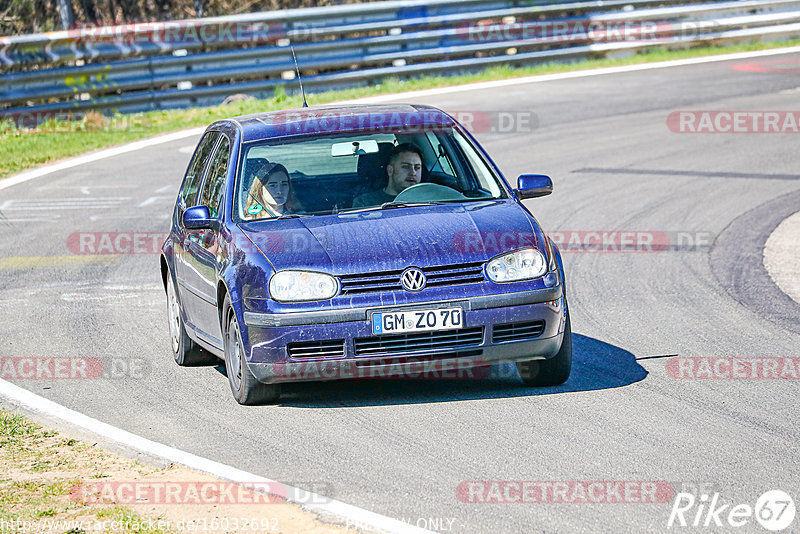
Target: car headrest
x=372 y=167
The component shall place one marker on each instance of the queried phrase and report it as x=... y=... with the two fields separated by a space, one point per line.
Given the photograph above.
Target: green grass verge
x=31 y=494
x=25 y=149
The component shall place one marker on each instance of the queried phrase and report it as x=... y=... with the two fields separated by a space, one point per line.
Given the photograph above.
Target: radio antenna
x=299 y=79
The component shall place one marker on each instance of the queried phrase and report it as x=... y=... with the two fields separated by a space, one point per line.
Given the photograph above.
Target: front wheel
x=185 y=351
x=552 y=372
x=244 y=386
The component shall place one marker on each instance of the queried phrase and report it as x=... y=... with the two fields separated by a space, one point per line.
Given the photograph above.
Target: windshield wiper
x=393 y=204
x=404 y=204
x=290 y=216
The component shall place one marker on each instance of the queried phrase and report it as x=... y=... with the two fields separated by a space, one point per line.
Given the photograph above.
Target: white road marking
x=49 y=218
x=39 y=204
x=153 y=200
x=97 y=156
x=82 y=297
x=188 y=149
x=143 y=287
x=310 y=501
x=86 y=189
x=114 y=217
x=78 y=284
x=58 y=200
x=167 y=188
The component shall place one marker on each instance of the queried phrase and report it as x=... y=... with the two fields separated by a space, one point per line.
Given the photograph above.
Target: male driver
x=404 y=169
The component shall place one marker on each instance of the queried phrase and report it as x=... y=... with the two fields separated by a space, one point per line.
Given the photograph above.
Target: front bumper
x=270 y=334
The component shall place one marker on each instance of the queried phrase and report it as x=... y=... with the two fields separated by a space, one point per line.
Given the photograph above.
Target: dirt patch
x=53 y=483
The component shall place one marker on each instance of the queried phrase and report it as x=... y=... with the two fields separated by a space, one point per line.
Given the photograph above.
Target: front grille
x=417 y=358
x=441 y=276
x=517 y=331
x=418 y=341
x=332 y=348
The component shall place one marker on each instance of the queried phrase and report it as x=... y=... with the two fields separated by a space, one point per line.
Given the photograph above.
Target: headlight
x=521 y=264
x=298 y=286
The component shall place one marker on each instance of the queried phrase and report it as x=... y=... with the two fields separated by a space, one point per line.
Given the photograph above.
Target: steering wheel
x=427 y=192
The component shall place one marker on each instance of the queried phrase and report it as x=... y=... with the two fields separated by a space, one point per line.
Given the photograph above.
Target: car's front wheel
x=244 y=386
x=552 y=372
x=185 y=351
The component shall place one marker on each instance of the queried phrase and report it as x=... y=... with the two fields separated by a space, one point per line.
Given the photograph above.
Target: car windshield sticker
x=254 y=209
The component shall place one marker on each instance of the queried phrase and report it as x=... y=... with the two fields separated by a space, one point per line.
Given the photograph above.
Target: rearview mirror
x=354 y=148
x=198 y=217
x=533 y=185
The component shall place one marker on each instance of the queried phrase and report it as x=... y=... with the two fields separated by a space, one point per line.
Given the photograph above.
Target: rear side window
x=195 y=172
x=215 y=177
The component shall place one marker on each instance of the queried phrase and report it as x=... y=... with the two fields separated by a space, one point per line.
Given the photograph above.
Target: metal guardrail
x=171 y=64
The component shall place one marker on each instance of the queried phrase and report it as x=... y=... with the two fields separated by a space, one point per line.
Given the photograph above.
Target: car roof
x=333 y=119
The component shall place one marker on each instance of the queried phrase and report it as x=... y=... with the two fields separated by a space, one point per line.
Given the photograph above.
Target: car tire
x=554 y=371
x=244 y=386
x=186 y=352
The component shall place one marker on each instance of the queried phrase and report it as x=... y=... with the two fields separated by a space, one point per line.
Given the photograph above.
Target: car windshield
x=334 y=173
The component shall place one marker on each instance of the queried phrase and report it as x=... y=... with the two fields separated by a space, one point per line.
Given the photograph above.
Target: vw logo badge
x=413 y=279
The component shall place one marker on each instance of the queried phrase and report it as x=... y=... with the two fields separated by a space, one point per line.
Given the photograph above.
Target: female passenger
x=271 y=194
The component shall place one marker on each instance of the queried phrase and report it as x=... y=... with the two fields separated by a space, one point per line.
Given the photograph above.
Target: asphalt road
x=402 y=448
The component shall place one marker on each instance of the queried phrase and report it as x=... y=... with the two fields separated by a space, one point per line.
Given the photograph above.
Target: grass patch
x=14 y=426
x=40 y=470
x=19 y=439
x=26 y=445
x=22 y=149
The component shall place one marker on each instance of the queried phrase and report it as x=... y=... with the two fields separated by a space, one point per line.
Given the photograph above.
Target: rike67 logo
x=774 y=510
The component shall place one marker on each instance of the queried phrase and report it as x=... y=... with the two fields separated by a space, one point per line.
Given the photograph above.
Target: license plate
x=417 y=320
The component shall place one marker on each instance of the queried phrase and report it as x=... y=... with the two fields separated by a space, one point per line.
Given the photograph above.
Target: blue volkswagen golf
x=359 y=242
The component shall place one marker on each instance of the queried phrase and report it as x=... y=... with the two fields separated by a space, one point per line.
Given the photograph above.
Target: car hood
x=392 y=239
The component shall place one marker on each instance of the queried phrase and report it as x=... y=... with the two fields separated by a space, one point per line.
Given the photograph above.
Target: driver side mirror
x=197 y=218
x=533 y=185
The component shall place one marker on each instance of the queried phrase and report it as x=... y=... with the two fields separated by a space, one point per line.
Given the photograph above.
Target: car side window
x=211 y=195
x=194 y=174
x=442 y=162
x=481 y=171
